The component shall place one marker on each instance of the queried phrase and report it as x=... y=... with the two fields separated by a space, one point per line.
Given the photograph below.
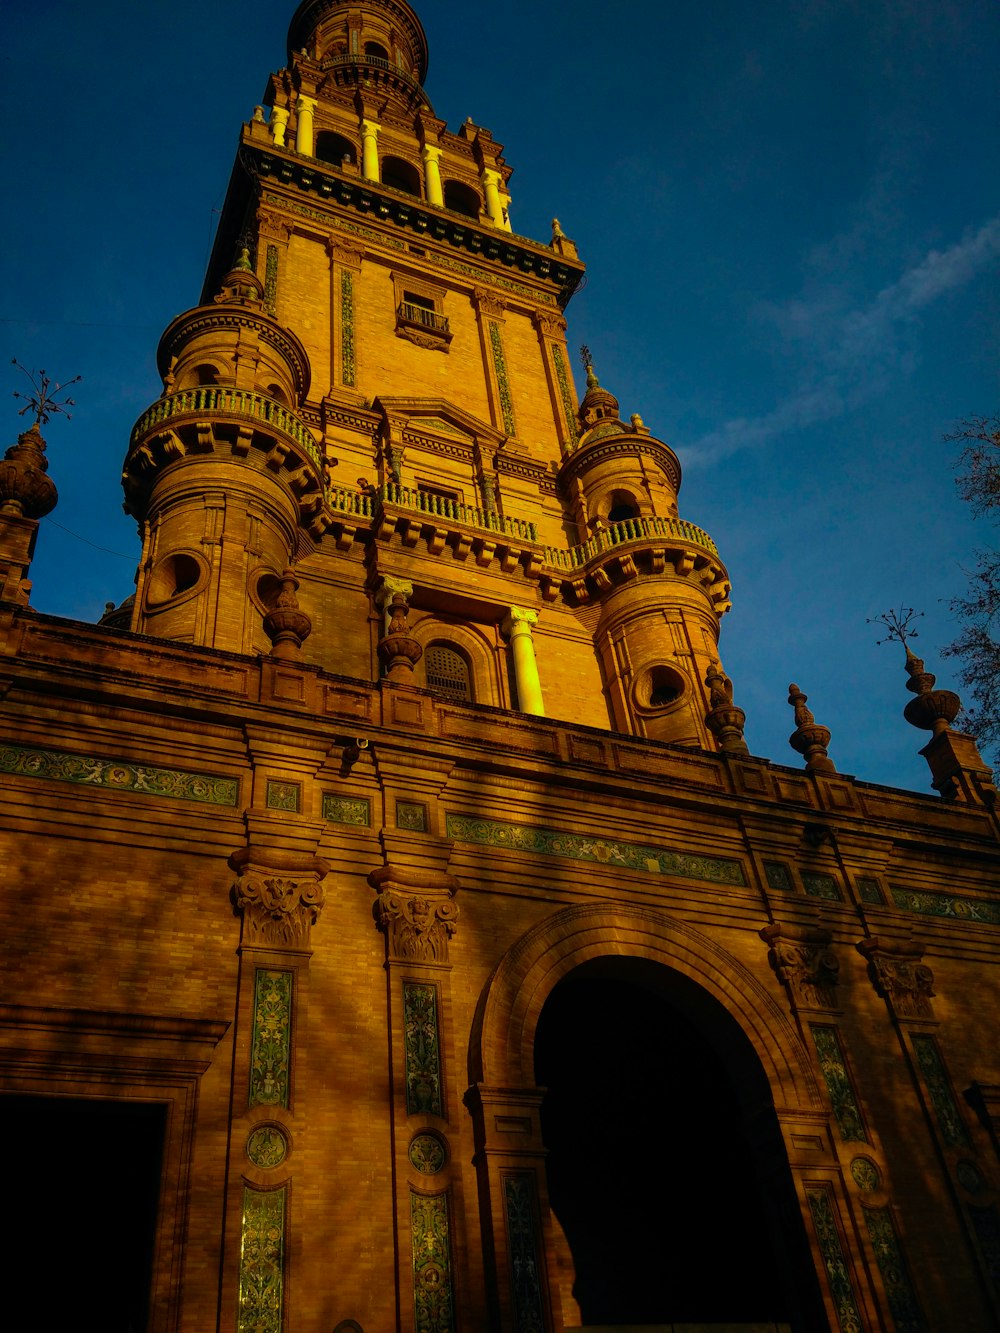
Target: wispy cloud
x=855 y=351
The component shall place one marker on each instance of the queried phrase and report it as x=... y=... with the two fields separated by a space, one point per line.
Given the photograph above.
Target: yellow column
x=304 y=132
x=517 y=626
x=369 y=150
x=279 y=125
x=491 y=188
x=432 y=175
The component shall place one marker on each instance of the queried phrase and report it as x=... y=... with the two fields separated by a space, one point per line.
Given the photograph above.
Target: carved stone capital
x=416 y=913
x=278 y=896
x=900 y=977
x=488 y=303
x=805 y=965
x=550 y=324
x=344 y=253
x=273 y=226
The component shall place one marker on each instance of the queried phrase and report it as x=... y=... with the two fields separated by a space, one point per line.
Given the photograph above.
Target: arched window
x=622 y=506
x=461 y=198
x=377 y=50
x=334 y=148
x=400 y=175
x=447 y=672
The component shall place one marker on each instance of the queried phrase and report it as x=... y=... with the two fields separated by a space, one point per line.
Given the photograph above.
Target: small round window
x=658 y=687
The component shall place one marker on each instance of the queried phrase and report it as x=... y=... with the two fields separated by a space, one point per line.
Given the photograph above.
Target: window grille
x=447 y=672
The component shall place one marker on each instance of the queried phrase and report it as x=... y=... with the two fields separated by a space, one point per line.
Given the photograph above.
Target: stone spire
x=809 y=738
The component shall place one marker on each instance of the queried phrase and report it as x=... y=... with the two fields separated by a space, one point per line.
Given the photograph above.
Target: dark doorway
x=648 y=1123
x=83 y=1180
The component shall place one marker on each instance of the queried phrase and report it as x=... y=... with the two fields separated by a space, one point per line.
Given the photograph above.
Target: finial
x=557 y=231
x=638 y=425
x=285 y=624
x=809 y=738
x=897 y=626
x=931 y=710
x=44 y=402
x=397 y=649
x=588 y=364
x=244 y=260
x=724 y=720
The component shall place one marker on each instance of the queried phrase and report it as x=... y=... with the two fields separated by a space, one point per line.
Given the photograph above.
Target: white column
x=369 y=150
x=517 y=626
x=304 y=132
x=491 y=188
x=279 y=125
x=432 y=175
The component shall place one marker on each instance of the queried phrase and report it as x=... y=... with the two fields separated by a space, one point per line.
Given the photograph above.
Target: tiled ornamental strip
x=524 y=1250
x=605 y=851
x=262 y=1261
x=118 y=775
x=432 y=1284
x=834 y=1261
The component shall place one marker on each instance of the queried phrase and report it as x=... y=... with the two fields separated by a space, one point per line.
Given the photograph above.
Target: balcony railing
x=631 y=530
x=374 y=62
x=439 y=506
x=418 y=314
x=218 y=400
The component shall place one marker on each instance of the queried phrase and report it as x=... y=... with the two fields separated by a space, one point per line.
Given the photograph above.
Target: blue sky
x=791 y=216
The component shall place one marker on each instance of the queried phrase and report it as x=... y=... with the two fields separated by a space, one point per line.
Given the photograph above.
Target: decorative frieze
x=262 y=1261
x=521 y=1222
x=843 y=1098
x=433 y=1298
x=356 y=810
x=422 y=1049
x=271 y=1038
x=805 y=965
x=284 y=795
x=899 y=976
x=605 y=851
x=118 y=775
x=950 y=905
x=819 y=884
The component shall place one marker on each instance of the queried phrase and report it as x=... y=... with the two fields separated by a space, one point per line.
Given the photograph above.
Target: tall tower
x=376 y=390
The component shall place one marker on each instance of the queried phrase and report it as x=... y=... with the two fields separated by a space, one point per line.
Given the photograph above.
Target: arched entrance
x=739 y=1048
x=665 y=1171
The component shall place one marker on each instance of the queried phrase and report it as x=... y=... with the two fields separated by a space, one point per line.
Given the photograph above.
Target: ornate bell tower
x=375 y=393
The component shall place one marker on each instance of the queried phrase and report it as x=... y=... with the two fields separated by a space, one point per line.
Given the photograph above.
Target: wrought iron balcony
x=438 y=506
x=418 y=314
x=642 y=530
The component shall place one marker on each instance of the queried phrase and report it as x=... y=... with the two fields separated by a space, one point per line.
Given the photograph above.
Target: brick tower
x=397 y=934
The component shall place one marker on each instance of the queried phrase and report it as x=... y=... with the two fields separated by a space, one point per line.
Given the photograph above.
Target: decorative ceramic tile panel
x=520 y=1213
x=889 y=1256
x=434 y=1305
x=818 y=884
x=946 y=1110
x=866 y=1175
x=271 y=280
x=503 y=383
x=427 y=1154
x=628 y=855
x=562 y=379
x=869 y=891
x=778 y=876
x=347 y=367
x=267 y=1147
x=848 y=1317
x=284 y=796
x=262 y=1260
x=940 y=904
x=118 y=775
x=270 y=1044
x=347 y=810
x=838 y=1084
x=986 y=1224
x=422 y=1049
x=411 y=815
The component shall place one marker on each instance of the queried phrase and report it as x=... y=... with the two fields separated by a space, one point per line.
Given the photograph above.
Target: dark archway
x=658 y=1122
x=335 y=149
x=400 y=175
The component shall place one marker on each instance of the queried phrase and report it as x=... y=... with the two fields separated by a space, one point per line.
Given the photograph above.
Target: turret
x=222 y=473
x=659 y=580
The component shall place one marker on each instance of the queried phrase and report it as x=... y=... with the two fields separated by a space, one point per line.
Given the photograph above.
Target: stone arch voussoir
x=501 y=1052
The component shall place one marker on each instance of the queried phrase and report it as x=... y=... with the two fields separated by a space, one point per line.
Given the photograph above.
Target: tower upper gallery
x=339 y=34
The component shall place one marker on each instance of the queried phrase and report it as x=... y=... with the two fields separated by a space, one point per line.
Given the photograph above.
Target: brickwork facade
x=416 y=716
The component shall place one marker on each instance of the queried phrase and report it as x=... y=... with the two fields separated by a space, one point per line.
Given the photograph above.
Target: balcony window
x=447 y=672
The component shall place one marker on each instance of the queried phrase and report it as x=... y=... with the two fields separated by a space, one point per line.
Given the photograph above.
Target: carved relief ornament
x=278 y=899
x=900 y=978
x=805 y=965
x=488 y=303
x=550 y=324
x=417 y=913
x=273 y=226
x=344 y=253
